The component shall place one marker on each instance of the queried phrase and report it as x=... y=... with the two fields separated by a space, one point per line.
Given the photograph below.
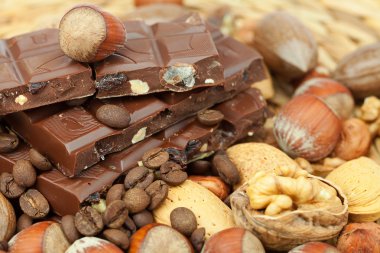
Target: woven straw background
x=339 y=26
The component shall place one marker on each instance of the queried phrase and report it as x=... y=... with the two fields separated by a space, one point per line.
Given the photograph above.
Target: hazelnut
x=146 y=2
x=316 y=247
x=7 y=219
x=334 y=94
x=158 y=236
x=287 y=46
x=88 y=34
x=237 y=240
x=360 y=237
x=46 y=236
x=355 y=140
x=93 y=245
x=306 y=127
x=214 y=184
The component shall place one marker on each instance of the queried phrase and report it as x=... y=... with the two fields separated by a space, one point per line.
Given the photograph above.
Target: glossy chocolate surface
x=75 y=140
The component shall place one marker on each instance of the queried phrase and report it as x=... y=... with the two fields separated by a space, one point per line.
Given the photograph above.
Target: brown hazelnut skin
x=91 y=44
x=337 y=96
x=139 y=239
x=360 y=237
x=237 y=240
x=146 y=2
x=314 y=247
x=306 y=127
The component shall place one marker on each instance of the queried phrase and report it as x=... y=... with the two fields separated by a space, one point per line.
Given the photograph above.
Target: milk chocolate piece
x=35 y=72
x=188 y=138
x=74 y=140
x=173 y=56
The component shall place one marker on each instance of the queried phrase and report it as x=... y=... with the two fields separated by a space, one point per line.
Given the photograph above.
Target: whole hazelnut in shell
x=89 y=34
x=306 y=127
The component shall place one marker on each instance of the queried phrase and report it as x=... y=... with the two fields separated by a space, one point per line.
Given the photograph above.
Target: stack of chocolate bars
x=51 y=101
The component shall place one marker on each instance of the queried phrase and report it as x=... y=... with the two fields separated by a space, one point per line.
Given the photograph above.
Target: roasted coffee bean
x=200 y=167
x=139 y=177
x=118 y=237
x=136 y=200
x=130 y=225
x=9 y=187
x=116 y=213
x=24 y=173
x=154 y=158
x=34 y=204
x=39 y=161
x=226 y=169
x=183 y=220
x=142 y=218
x=198 y=238
x=210 y=117
x=8 y=142
x=116 y=192
x=23 y=222
x=172 y=173
x=69 y=229
x=88 y=221
x=158 y=191
x=4 y=245
x=113 y=116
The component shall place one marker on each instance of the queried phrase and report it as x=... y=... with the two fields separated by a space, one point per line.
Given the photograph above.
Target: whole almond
x=360 y=71
x=287 y=45
x=7 y=219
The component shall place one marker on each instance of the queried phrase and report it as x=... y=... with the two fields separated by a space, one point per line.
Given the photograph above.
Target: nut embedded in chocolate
x=88 y=34
x=179 y=77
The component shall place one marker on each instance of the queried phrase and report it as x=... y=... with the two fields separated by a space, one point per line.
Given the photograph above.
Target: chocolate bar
x=186 y=139
x=176 y=56
x=74 y=140
x=34 y=72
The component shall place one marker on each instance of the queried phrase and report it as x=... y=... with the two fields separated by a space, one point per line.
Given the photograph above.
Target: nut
x=359 y=180
x=88 y=34
x=139 y=136
x=210 y=211
x=179 y=77
x=359 y=71
x=370 y=110
x=21 y=99
x=287 y=45
x=146 y=2
x=45 y=236
x=93 y=245
x=139 y=87
x=319 y=247
x=158 y=236
x=7 y=219
x=355 y=140
x=213 y=184
x=235 y=239
x=309 y=222
x=306 y=127
x=360 y=237
x=334 y=94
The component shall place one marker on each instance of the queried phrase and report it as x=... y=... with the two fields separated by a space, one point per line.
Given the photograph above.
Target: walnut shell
x=292 y=228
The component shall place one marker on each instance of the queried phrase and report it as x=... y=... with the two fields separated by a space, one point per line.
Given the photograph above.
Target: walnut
x=370 y=110
x=288 y=207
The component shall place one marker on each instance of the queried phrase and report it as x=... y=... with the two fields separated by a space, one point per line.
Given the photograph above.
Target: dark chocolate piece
x=173 y=56
x=35 y=72
x=73 y=139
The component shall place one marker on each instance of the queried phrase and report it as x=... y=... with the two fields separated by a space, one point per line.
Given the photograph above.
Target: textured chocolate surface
x=75 y=140
x=34 y=72
x=176 y=56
